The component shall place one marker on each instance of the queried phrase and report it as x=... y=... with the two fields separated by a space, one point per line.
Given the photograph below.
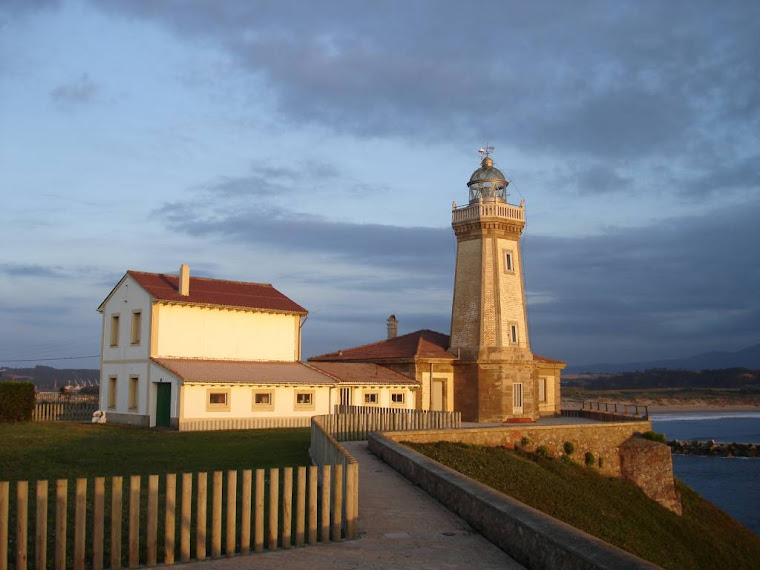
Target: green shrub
x=542 y=451
x=16 y=401
x=654 y=436
x=589 y=459
x=566 y=459
x=524 y=441
x=568 y=447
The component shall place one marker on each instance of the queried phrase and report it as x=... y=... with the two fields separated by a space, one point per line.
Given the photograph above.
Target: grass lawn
x=611 y=509
x=37 y=451
x=32 y=451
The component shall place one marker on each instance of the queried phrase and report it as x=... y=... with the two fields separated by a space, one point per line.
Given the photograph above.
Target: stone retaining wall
x=531 y=537
x=602 y=440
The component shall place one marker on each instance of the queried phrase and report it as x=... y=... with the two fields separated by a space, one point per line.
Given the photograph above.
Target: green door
x=163 y=404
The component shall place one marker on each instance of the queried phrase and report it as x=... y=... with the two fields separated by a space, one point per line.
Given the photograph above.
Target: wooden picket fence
x=319 y=504
x=53 y=407
x=352 y=423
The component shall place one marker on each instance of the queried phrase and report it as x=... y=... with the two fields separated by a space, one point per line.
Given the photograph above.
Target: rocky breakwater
x=711 y=447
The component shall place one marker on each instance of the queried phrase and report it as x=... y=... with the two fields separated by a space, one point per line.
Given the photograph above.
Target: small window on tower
x=509 y=266
x=513 y=338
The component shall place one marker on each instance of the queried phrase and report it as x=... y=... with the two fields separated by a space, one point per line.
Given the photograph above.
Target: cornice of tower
x=478 y=229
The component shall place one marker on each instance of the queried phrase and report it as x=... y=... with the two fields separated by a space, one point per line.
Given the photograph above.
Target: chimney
x=184 y=280
x=392 y=324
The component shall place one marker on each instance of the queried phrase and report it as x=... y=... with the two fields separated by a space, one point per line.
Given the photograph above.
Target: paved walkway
x=401 y=526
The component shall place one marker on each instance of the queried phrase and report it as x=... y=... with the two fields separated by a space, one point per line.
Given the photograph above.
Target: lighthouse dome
x=488 y=183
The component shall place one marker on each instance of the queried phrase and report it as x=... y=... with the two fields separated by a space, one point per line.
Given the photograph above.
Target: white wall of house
x=196 y=402
x=125 y=341
x=184 y=331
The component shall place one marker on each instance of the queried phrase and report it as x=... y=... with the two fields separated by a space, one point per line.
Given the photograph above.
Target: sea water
x=731 y=483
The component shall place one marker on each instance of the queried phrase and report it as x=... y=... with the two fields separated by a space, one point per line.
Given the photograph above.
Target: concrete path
x=401 y=526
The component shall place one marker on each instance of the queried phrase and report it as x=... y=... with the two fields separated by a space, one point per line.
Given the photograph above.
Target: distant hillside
x=659 y=378
x=48 y=378
x=745 y=358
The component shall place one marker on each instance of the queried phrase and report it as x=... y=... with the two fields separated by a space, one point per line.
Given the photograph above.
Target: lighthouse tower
x=495 y=375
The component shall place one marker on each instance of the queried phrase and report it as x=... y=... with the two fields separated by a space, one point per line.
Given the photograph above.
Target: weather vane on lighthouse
x=485 y=151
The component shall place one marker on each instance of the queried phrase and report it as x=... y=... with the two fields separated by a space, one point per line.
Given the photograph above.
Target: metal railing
x=608 y=411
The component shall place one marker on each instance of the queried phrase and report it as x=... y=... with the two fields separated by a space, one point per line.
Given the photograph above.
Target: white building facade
x=213 y=354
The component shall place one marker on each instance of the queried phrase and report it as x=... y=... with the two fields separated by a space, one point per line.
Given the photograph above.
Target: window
x=509 y=265
x=112 y=392
x=397 y=398
x=371 y=398
x=517 y=396
x=345 y=397
x=304 y=400
x=134 y=384
x=217 y=400
x=114 y=330
x=513 y=337
x=263 y=400
x=542 y=389
x=136 y=327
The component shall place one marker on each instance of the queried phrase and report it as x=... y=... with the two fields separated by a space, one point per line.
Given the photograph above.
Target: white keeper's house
x=195 y=353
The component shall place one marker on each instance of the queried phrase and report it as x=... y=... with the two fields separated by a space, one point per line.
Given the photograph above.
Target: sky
x=318 y=146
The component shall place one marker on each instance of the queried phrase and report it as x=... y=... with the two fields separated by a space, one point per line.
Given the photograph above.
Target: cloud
x=604 y=79
x=77 y=92
x=679 y=284
x=31 y=270
x=267 y=180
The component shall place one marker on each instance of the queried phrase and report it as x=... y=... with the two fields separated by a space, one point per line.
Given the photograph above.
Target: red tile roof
x=205 y=291
x=362 y=373
x=547 y=359
x=243 y=372
x=418 y=344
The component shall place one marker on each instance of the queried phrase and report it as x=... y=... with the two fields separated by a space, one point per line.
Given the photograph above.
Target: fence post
x=22 y=504
x=202 y=518
x=350 y=499
x=216 y=516
x=312 y=504
x=258 y=516
x=245 y=513
x=337 y=501
x=40 y=547
x=231 y=512
x=98 y=507
x=152 y=522
x=169 y=517
x=325 y=523
x=184 y=527
x=80 y=523
x=61 y=490
x=116 y=514
x=300 y=505
x=134 y=521
x=287 y=505
x=4 y=500
x=274 y=499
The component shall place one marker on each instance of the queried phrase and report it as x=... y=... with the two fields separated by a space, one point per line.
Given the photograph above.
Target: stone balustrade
x=488 y=210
